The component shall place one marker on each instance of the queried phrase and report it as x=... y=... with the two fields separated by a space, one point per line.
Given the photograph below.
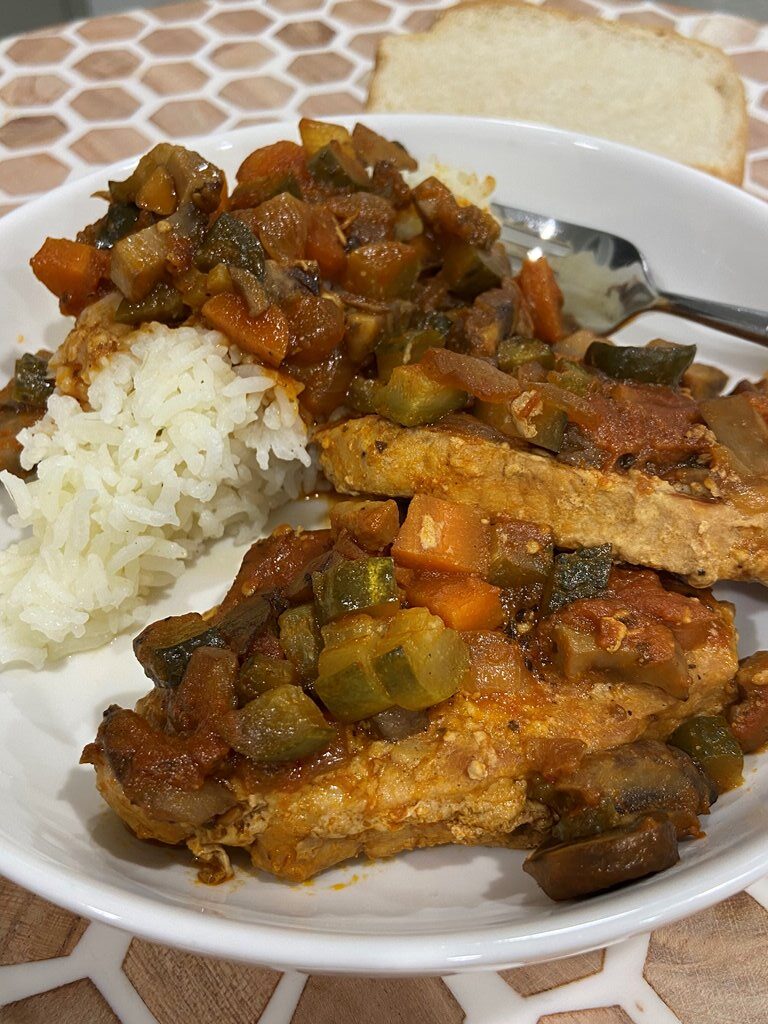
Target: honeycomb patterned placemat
x=92 y=92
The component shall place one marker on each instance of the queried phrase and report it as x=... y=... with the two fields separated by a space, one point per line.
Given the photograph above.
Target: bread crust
x=732 y=169
x=644 y=518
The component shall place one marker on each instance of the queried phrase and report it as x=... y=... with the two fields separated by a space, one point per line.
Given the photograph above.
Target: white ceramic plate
x=431 y=911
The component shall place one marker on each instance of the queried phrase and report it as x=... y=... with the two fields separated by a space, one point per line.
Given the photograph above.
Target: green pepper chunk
x=283 y=724
x=709 y=742
x=163 y=304
x=646 y=365
x=361 y=395
x=261 y=673
x=576 y=576
x=420 y=660
x=300 y=639
x=739 y=427
x=405 y=348
x=468 y=270
x=337 y=167
x=354 y=587
x=231 y=242
x=412 y=399
x=516 y=351
x=31 y=383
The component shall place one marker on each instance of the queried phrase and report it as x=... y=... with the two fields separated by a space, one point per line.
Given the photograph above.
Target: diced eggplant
x=206 y=691
x=301 y=640
x=578 y=652
x=592 y=864
x=119 y=221
x=398 y=724
x=165 y=647
x=373 y=148
x=738 y=425
x=335 y=166
x=373 y=524
x=647 y=365
x=704 y=381
x=748 y=718
x=315 y=135
x=164 y=304
x=281 y=725
x=469 y=270
x=367 y=583
x=709 y=742
x=515 y=352
x=195 y=180
x=245 y=621
x=413 y=399
x=231 y=242
x=363 y=332
x=577 y=575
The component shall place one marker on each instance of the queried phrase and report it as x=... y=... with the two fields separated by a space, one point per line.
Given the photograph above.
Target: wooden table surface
x=88 y=93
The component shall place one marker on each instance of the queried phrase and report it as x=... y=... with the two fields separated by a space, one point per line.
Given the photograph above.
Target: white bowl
x=432 y=911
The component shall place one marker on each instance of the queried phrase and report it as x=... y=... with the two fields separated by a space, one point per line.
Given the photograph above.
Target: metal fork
x=605 y=279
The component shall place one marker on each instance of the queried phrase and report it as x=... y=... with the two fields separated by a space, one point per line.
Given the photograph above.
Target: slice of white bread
x=645 y=87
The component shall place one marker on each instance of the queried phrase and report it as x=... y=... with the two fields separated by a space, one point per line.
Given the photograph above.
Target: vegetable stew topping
x=366 y=629
x=380 y=297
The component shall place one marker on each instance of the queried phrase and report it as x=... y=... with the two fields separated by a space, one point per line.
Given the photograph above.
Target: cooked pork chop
x=466 y=775
x=644 y=518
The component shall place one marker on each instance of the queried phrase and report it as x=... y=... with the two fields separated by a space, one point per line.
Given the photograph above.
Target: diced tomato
x=266 y=336
x=462 y=602
x=441 y=536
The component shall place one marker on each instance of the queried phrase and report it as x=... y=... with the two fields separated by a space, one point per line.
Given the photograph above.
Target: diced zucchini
x=709 y=742
x=300 y=639
x=361 y=395
x=405 y=348
x=522 y=556
x=382 y=270
x=469 y=270
x=164 y=648
x=738 y=425
x=647 y=365
x=515 y=352
x=231 y=242
x=164 y=305
x=337 y=167
x=578 y=652
x=283 y=724
x=573 y=377
x=411 y=398
x=346 y=682
x=261 y=673
x=354 y=587
x=530 y=418
x=420 y=661
x=576 y=576
x=704 y=381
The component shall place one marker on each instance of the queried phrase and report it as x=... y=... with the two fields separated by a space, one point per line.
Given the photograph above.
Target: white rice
x=178 y=445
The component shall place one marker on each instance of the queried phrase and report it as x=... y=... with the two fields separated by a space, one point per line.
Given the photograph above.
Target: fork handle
x=752 y=323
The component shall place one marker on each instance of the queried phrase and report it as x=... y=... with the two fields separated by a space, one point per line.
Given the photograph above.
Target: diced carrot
x=543 y=295
x=280 y=158
x=266 y=336
x=73 y=271
x=441 y=536
x=462 y=602
x=324 y=244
